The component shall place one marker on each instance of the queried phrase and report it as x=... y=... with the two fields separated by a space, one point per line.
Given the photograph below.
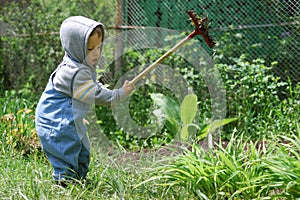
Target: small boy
x=71 y=89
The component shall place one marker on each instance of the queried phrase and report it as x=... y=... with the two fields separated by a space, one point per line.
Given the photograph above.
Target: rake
x=202 y=26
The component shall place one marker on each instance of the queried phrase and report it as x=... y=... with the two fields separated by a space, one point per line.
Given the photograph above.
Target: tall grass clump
x=284 y=167
x=239 y=170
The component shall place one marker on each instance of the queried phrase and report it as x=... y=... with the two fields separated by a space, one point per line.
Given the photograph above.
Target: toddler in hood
x=70 y=91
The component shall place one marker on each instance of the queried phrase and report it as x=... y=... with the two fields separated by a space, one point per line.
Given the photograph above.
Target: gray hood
x=74 y=34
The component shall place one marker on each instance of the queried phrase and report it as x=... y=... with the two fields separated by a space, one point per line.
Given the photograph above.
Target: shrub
x=17 y=126
x=253 y=95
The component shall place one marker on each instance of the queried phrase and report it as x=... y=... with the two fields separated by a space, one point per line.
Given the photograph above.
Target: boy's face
x=94 y=47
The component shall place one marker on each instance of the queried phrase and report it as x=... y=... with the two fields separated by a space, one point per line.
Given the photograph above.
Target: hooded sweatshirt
x=75 y=77
x=71 y=89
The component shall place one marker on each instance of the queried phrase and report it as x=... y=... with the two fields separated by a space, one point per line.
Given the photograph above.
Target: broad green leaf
x=188 y=109
x=172 y=125
x=214 y=125
x=187 y=130
x=184 y=134
x=170 y=110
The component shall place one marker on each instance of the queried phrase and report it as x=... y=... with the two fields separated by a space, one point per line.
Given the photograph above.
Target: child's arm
x=87 y=90
x=128 y=88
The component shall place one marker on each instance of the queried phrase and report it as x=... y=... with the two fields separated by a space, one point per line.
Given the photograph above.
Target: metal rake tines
x=202 y=25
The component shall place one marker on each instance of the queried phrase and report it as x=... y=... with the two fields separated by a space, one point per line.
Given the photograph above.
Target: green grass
x=30 y=178
x=239 y=171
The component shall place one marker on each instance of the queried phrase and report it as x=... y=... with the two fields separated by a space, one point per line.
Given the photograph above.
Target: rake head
x=202 y=25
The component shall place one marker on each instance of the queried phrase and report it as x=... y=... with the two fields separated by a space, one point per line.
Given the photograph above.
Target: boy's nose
x=96 y=53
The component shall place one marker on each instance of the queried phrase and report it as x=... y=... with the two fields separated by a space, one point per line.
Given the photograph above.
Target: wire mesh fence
x=29 y=37
x=267 y=29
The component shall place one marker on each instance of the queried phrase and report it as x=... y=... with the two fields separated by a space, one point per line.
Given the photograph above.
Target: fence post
x=119 y=40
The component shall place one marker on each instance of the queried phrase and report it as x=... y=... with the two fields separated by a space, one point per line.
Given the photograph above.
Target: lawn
x=240 y=169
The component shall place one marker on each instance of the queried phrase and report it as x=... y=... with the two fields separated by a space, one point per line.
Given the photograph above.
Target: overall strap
x=53 y=73
x=72 y=81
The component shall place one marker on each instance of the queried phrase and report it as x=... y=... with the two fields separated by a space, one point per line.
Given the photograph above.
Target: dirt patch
x=175 y=149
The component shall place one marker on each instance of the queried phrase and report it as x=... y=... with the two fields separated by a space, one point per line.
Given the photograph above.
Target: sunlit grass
x=239 y=171
x=242 y=170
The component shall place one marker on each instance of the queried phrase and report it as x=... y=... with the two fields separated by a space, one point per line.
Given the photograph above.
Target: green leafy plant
x=188 y=110
x=170 y=110
x=18 y=127
x=180 y=119
x=254 y=92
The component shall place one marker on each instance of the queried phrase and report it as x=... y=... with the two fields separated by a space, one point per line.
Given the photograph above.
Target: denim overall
x=59 y=125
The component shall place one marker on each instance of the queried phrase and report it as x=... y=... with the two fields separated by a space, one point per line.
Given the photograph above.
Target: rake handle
x=163 y=57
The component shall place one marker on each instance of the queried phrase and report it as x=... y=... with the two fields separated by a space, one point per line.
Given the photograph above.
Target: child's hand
x=128 y=88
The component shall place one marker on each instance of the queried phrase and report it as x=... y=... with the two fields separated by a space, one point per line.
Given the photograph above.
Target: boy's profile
x=70 y=91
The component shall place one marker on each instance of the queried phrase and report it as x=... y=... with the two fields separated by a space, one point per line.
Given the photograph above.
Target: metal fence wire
x=267 y=29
